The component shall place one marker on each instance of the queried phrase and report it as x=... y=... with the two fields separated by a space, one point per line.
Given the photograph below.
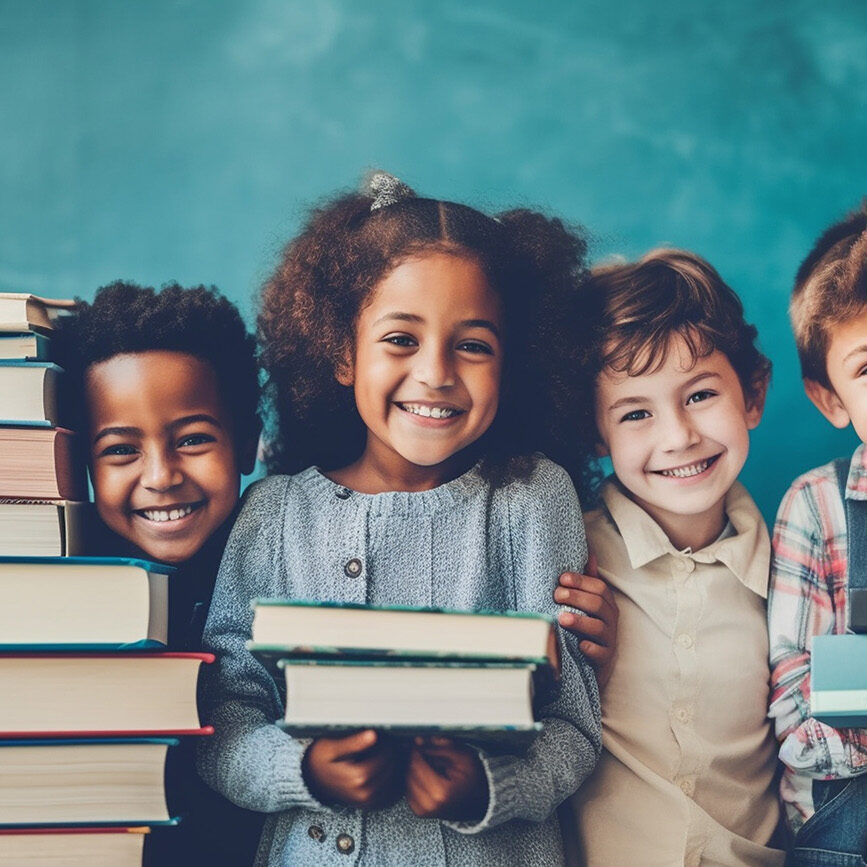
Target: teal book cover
x=839 y=680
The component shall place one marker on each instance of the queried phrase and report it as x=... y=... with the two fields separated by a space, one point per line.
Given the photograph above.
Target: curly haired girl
x=413 y=353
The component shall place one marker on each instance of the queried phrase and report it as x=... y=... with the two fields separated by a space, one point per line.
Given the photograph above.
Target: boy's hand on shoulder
x=362 y=770
x=446 y=780
x=598 y=629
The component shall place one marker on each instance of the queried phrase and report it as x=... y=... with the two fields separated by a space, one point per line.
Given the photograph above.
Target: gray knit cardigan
x=462 y=545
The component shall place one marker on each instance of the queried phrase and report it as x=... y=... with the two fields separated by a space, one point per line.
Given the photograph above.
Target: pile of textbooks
x=92 y=702
x=407 y=671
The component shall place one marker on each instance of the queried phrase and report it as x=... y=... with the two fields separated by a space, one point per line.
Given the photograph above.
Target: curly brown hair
x=310 y=305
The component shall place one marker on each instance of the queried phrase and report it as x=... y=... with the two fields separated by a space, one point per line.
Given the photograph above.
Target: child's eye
x=475 y=347
x=636 y=415
x=402 y=340
x=196 y=439
x=700 y=395
x=118 y=450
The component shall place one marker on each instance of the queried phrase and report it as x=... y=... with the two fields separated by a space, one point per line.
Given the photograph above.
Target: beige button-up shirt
x=687 y=773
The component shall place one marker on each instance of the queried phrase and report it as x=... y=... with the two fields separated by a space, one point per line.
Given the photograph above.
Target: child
x=824 y=786
x=170 y=393
x=406 y=356
x=686 y=775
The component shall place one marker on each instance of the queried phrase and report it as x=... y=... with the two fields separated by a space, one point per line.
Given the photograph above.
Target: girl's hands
x=598 y=629
x=446 y=780
x=362 y=770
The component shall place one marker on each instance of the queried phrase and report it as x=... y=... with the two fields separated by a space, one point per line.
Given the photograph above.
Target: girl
x=410 y=350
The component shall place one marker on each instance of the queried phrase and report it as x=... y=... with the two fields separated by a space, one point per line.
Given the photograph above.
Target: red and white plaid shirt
x=809 y=576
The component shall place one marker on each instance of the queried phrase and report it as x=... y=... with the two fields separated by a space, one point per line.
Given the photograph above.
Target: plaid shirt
x=809 y=576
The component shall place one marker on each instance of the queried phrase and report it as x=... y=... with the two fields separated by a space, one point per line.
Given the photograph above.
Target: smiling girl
x=409 y=353
x=687 y=771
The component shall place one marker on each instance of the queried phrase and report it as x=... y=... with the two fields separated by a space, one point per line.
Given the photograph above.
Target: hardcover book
x=30 y=393
x=838 y=688
x=283 y=628
x=28 y=346
x=44 y=528
x=41 y=463
x=470 y=701
x=72 y=847
x=82 y=602
x=84 y=782
x=99 y=694
x=20 y=311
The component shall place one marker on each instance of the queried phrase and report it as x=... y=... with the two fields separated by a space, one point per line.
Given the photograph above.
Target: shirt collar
x=746 y=552
x=856 y=483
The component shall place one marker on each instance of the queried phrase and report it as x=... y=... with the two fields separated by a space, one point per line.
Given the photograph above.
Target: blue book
x=838 y=689
x=30 y=394
x=28 y=346
x=83 y=603
x=84 y=782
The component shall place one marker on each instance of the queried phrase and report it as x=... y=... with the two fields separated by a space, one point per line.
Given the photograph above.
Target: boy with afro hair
x=169 y=392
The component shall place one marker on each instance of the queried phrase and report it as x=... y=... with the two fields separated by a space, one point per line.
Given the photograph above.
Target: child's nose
x=434 y=367
x=680 y=432
x=160 y=473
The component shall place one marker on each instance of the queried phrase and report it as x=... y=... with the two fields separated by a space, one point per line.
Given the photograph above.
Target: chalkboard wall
x=183 y=140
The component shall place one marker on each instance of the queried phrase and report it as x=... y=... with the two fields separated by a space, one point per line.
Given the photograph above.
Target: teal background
x=182 y=140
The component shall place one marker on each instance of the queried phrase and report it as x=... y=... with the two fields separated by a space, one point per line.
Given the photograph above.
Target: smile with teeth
x=430 y=411
x=688 y=470
x=161 y=515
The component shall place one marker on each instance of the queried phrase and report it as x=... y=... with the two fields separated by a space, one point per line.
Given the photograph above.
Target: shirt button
x=343 y=493
x=316 y=833
x=683 y=715
x=345 y=844
x=687 y=787
x=353 y=568
x=684 y=640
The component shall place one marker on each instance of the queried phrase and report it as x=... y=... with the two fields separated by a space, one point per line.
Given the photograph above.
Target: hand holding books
x=364 y=770
x=446 y=780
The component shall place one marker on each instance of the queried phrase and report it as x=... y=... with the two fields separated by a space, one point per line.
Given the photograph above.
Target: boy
x=810 y=565
x=687 y=770
x=170 y=393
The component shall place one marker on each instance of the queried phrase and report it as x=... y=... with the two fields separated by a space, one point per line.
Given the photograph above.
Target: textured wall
x=182 y=140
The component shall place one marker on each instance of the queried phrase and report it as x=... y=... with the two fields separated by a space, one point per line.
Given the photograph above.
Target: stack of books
x=93 y=703
x=42 y=479
x=408 y=671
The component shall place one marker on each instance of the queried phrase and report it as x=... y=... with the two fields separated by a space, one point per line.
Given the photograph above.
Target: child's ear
x=601 y=449
x=756 y=403
x=827 y=403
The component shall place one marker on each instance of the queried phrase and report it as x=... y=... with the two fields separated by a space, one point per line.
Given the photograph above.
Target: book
x=20 y=311
x=28 y=346
x=97 y=603
x=41 y=463
x=84 y=782
x=475 y=701
x=72 y=847
x=44 y=528
x=838 y=675
x=30 y=393
x=287 y=628
x=99 y=694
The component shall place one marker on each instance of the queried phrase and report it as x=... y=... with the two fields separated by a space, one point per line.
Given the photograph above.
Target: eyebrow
x=465 y=323
x=856 y=351
x=127 y=431
x=626 y=401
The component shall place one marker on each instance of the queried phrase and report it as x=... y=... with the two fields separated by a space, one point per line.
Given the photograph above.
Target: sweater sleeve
x=249 y=759
x=546 y=535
